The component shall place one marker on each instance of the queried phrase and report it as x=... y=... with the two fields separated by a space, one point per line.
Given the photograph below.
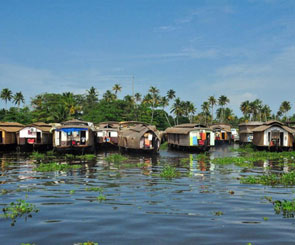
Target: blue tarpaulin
x=69 y=130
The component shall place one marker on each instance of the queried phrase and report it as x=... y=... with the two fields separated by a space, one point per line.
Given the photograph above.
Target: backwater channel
x=206 y=204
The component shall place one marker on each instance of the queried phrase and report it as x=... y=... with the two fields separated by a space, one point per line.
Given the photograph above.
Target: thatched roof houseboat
x=36 y=135
x=8 y=132
x=74 y=135
x=107 y=134
x=222 y=133
x=273 y=135
x=138 y=136
x=190 y=136
x=246 y=131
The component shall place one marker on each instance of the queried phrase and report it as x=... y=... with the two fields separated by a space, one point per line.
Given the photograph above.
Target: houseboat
x=107 y=134
x=138 y=136
x=273 y=135
x=36 y=136
x=246 y=131
x=190 y=136
x=8 y=132
x=222 y=133
x=74 y=135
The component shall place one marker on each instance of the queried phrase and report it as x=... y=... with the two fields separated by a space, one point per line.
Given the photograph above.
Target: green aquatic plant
x=202 y=157
x=218 y=213
x=286 y=207
x=184 y=161
x=38 y=156
x=50 y=167
x=4 y=191
x=97 y=189
x=87 y=157
x=27 y=243
x=286 y=179
x=18 y=209
x=115 y=158
x=265 y=218
x=72 y=192
x=86 y=243
x=169 y=172
x=101 y=198
x=164 y=146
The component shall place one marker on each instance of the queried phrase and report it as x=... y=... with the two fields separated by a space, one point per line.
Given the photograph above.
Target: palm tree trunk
x=212 y=115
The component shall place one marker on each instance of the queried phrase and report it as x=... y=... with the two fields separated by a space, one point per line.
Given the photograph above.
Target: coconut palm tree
x=177 y=109
x=164 y=103
x=245 y=108
x=137 y=97
x=222 y=101
x=285 y=107
x=6 y=95
x=108 y=96
x=212 y=101
x=18 y=98
x=266 y=112
x=170 y=94
x=155 y=99
x=205 y=108
x=117 y=88
x=92 y=95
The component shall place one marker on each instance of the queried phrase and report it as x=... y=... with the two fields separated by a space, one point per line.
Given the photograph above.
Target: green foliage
x=169 y=172
x=115 y=158
x=87 y=157
x=286 y=207
x=86 y=243
x=49 y=167
x=96 y=189
x=286 y=179
x=18 y=209
x=101 y=198
x=164 y=146
x=218 y=213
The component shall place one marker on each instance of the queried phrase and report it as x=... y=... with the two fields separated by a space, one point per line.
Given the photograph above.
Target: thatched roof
x=137 y=131
x=253 y=123
x=185 y=128
x=265 y=127
x=221 y=126
x=44 y=127
x=11 y=127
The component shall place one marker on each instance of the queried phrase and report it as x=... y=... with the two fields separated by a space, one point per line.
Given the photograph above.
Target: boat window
x=1 y=137
x=83 y=137
x=38 y=137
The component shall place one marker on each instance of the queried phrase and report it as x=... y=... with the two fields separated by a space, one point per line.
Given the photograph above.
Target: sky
x=242 y=49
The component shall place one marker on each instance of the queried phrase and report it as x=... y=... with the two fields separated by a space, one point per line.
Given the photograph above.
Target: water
x=140 y=206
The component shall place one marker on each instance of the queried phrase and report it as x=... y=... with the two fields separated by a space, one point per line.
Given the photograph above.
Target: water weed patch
x=169 y=172
x=50 y=167
x=287 y=208
x=18 y=209
x=286 y=179
x=115 y=158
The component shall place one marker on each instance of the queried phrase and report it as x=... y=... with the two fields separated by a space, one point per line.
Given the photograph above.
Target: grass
x=169 y=172
x=285 y=179
x=115 y=158
x=38 y=156
x=50 y=167
x=18 y=209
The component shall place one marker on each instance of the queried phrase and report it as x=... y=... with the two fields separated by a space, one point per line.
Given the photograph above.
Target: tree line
x=151 y=108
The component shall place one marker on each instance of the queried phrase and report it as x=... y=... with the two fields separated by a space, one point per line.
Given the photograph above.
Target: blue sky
x=243 y=49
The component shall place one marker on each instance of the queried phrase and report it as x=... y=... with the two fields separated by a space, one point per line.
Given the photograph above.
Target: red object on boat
x=31 y=141
x=201 y=142
x=73 y=142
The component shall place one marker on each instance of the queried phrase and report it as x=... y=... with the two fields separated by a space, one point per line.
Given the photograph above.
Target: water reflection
x=140 y=203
